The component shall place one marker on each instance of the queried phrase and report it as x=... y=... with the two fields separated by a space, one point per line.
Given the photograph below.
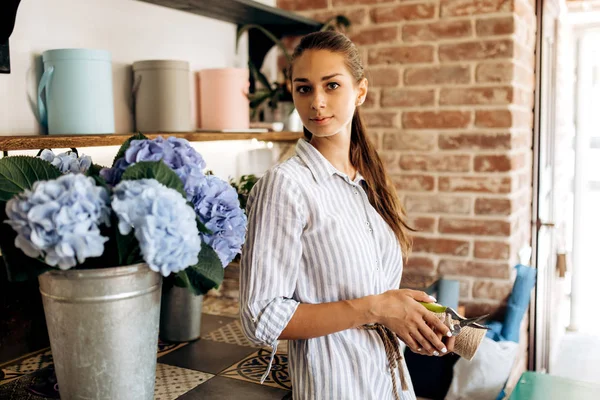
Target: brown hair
x=363 y=156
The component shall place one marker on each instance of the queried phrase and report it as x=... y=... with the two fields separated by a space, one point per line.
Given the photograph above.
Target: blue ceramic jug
x=79 y=92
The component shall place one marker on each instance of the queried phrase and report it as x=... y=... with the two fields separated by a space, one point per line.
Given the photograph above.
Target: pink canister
x=223 y=99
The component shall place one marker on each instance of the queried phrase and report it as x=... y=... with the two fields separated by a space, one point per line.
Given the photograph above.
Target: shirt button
x=367 y=223
x=356 y=192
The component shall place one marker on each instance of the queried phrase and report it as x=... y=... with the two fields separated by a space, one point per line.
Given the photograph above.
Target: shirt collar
x=320 y=167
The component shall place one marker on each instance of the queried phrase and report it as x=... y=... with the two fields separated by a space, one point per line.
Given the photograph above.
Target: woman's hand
x=418 y=327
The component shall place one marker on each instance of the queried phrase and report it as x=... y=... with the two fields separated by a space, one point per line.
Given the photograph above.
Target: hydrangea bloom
x=163 y=223
x=218 y=207
x=177 y=153
x=68 y=161
x=59 y=220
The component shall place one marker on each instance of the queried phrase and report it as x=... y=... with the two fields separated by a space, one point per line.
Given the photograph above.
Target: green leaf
x=128 y=248
x=205 y=275
x=201 y=227
x=18 y=173
x=259 y=75
x=155 y=170
x=94 y=170
x=125 y=146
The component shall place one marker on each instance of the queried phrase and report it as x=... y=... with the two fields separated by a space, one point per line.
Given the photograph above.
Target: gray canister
x=103 y=328
x=180 y=315
x=161 y=96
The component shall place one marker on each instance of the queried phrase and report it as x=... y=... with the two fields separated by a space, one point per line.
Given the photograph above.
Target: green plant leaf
x=18 y=173
x=201 y=227
x=94 y=170
x=125 y=146
x=207 y=274
x=259 y=75
x=128 y=248
x=154 y=170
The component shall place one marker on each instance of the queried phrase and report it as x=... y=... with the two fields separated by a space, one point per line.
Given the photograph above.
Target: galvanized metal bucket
x=103 y=328
x=180 y=315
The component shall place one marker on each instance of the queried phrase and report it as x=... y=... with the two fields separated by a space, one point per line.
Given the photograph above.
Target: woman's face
x=325 y=93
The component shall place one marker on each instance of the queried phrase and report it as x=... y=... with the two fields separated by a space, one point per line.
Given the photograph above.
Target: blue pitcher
x=79 y=92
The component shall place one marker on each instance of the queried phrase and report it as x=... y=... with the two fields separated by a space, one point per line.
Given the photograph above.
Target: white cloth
x=313 y=237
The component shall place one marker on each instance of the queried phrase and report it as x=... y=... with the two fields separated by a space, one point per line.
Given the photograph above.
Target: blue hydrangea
x=68 y=161
x=216 y=203
x=162 y=221
x=177 y=153
x=59 y=220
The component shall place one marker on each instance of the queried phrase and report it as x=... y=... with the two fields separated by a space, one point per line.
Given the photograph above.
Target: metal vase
x=180 y=315
x=103 y=327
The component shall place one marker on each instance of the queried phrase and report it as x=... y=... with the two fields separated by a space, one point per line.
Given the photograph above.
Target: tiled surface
x=223 y=364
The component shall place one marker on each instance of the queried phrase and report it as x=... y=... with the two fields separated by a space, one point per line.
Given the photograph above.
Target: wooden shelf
x=36 y=142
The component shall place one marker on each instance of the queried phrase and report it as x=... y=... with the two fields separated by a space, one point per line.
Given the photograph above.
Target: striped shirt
x=313 y=237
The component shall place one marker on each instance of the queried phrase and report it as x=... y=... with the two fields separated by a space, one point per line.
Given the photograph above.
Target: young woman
x=323 y=258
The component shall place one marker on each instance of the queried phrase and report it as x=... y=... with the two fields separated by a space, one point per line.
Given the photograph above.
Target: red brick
x=498 y=163
x=496 y=72
x=401 y=55
x=390 y=160
x=385 y=77
x=419 y=183
x=420 y=265
x=475 y=141
x=357 y=16
x=402 y=12
x=376 y=35
x=436 y=30
x=475 y=227
x=494 y=118
x=476 y=95
x=493 y=206
x=409 y=141
x=492 y=250
x=475 y=268
x=452 y=8
x=475 y=184
x=422 y=224
x=437 y=204
x=301 y=5
x=372 y=99
x=441 y=246
x=494 y=290
x=465 y=288
x=436 y=119
x=337 y=3
x=436 y=162
x=437 y=75
x=478 y=50
x=407 y=97
x=495 y=26
x=380 y=119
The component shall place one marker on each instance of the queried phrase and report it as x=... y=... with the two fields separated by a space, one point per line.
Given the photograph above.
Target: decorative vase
x=180 y=315
x=103 y=328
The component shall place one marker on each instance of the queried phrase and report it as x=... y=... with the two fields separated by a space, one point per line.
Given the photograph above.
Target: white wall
x=131 y=30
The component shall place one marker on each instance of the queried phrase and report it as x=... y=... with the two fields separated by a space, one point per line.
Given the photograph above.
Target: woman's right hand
x=418 y=327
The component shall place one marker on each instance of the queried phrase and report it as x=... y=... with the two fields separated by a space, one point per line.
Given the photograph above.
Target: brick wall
x=450 y=107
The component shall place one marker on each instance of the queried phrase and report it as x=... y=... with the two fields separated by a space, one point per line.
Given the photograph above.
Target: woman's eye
x=332 y=85
x=303 y=89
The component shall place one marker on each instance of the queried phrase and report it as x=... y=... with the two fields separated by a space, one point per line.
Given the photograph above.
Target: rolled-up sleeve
x=271 y=258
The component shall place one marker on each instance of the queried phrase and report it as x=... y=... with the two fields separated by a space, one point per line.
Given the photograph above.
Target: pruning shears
x=454 y=316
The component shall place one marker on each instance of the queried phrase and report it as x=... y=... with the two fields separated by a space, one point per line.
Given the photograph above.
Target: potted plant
x=277 y=95
x=101 y=240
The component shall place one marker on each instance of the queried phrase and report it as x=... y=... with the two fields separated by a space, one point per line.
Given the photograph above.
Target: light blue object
x=448 y=293
x=79 y=92
x=518 y=302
